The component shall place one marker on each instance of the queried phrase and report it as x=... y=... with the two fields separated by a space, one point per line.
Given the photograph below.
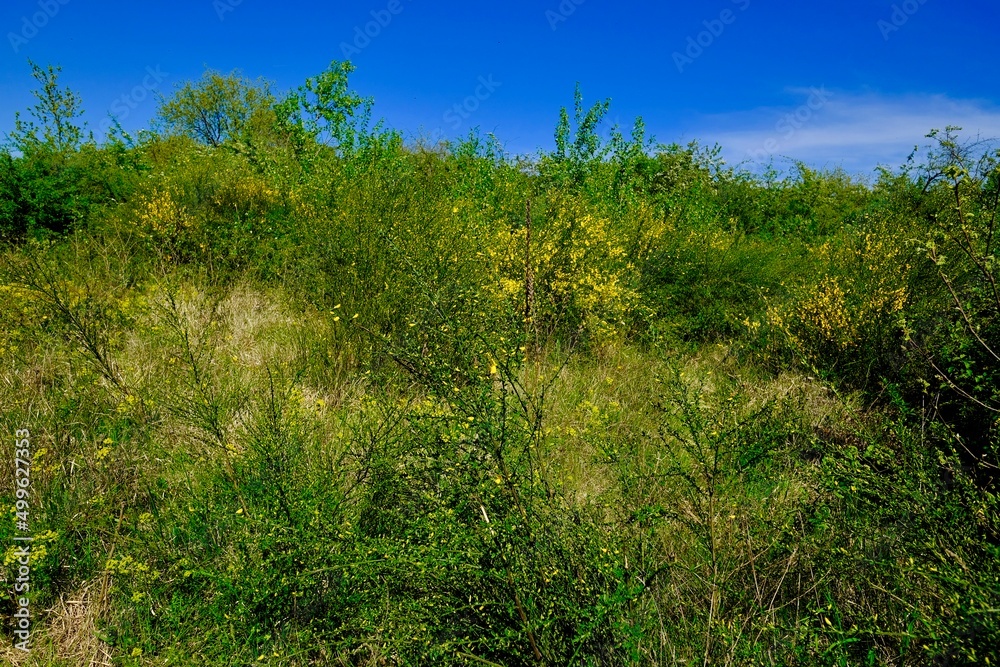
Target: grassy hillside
x=300 y=393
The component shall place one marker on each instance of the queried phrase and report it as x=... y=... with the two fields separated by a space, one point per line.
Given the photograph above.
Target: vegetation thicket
x=301 y=392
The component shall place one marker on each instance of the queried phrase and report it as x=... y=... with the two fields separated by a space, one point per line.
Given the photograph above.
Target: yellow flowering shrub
x=162 y=219
x=581 y=270
x=820 y=316
x=858 y=299
x=205 y=204
x=244 y=194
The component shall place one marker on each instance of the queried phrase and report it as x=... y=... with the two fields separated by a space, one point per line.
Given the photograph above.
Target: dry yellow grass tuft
x=69 y=635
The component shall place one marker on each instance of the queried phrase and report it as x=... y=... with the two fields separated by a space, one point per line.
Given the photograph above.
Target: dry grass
x=68 y=635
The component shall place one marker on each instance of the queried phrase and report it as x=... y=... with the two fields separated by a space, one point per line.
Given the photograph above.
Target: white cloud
x=855 y=131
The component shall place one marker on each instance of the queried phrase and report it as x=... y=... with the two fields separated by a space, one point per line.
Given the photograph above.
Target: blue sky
x=852 y=83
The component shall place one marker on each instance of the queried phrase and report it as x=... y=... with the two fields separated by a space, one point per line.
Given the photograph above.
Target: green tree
x=577 y=153
x=325 y=111
x=216 y=109
x=54 y=115
x=42 y=189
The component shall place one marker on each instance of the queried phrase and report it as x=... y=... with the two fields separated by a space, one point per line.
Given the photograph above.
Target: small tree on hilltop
x=216 y=109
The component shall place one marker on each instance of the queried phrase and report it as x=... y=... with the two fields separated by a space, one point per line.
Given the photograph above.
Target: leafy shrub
x=959 y=338
x=913 y=548
x=850 y=319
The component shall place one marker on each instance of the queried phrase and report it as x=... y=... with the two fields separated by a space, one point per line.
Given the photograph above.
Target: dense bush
x=302 y=393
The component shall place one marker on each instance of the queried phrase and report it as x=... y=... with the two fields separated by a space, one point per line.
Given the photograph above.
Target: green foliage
x=218 y=108
x=303 y=394
x=806 y=204
x=325 y=111
x=709 y=507
x=55 y=115
x=960 y=341
x=909 y=524
x=14 y=206
x=578 y=147
x=45 y=189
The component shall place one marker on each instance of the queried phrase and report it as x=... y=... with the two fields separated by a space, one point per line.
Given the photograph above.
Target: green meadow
x=302 y=392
